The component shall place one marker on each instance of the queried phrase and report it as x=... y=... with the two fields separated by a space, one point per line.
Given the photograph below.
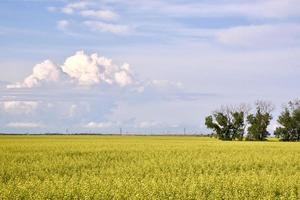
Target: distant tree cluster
x=237 y=123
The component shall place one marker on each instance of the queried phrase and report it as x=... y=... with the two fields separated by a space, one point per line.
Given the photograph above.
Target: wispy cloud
x=93 y=16
x=277 y=35
x=19 y=107
x=276 y=9
x=72 y=7
x=107 y=27
x=22 y=125
x=169 y=17
x=100 y=14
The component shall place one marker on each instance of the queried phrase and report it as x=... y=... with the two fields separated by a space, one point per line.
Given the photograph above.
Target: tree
x=240 y=120
x=289 y=121
x=228 y=123
x=259 y=122
x=238 y=125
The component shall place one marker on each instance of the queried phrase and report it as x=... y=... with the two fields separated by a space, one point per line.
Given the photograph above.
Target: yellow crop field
x=146 y=167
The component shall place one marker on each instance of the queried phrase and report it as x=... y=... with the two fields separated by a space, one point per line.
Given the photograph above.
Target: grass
x=146 y=167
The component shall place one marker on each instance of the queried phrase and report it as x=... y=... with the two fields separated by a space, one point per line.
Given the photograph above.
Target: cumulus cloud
x=117 y=29
x=81 y=69
x=19 y=107
x=91 y=70
x=123 y=77
x=23 y=125
x=44 y=72
x=101 y=14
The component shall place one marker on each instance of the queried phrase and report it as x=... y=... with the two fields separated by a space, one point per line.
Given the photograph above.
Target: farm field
x=146 y=167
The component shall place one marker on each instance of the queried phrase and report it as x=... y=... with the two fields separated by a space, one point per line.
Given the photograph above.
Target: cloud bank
x=80 y=94
x=19 y=107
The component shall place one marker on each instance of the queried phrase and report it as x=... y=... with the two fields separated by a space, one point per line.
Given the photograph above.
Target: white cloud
x=19 y=107
x=270 y=9
x=81 y=69
x=78 y=5
x=257 y=11
x=44 y=72
x=92 y=70
x=101 y=14
x=63 y=24
x=123 y=77
x=82 y=9
x=23 y=125
x=72 y=7
x=107 y=27
x=99 y=125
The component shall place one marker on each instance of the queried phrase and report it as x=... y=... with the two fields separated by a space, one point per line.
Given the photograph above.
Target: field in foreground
x=146 y=167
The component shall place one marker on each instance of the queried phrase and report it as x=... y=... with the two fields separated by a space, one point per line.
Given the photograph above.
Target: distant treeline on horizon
x=238 y=123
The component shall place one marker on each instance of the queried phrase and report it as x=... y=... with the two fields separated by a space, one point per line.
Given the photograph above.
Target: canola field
x=146 y=167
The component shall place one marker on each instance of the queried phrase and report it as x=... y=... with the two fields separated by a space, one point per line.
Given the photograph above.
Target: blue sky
x=145 y=66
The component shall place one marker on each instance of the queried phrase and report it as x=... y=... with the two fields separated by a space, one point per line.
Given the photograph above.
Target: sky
x=155 y=66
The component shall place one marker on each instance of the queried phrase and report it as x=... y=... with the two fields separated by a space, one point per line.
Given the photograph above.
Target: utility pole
x=184 y=130
x=121 y=131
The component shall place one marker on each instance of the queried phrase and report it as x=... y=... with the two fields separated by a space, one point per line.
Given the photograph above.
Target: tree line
x=238 y=122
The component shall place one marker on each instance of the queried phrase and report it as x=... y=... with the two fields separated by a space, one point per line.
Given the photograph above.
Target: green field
x=146 y=167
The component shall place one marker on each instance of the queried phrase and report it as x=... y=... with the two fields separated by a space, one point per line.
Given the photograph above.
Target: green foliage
x=238 y=124
x=289 y=121
x=258 y=124
x=228 y=125
x=150 y=167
